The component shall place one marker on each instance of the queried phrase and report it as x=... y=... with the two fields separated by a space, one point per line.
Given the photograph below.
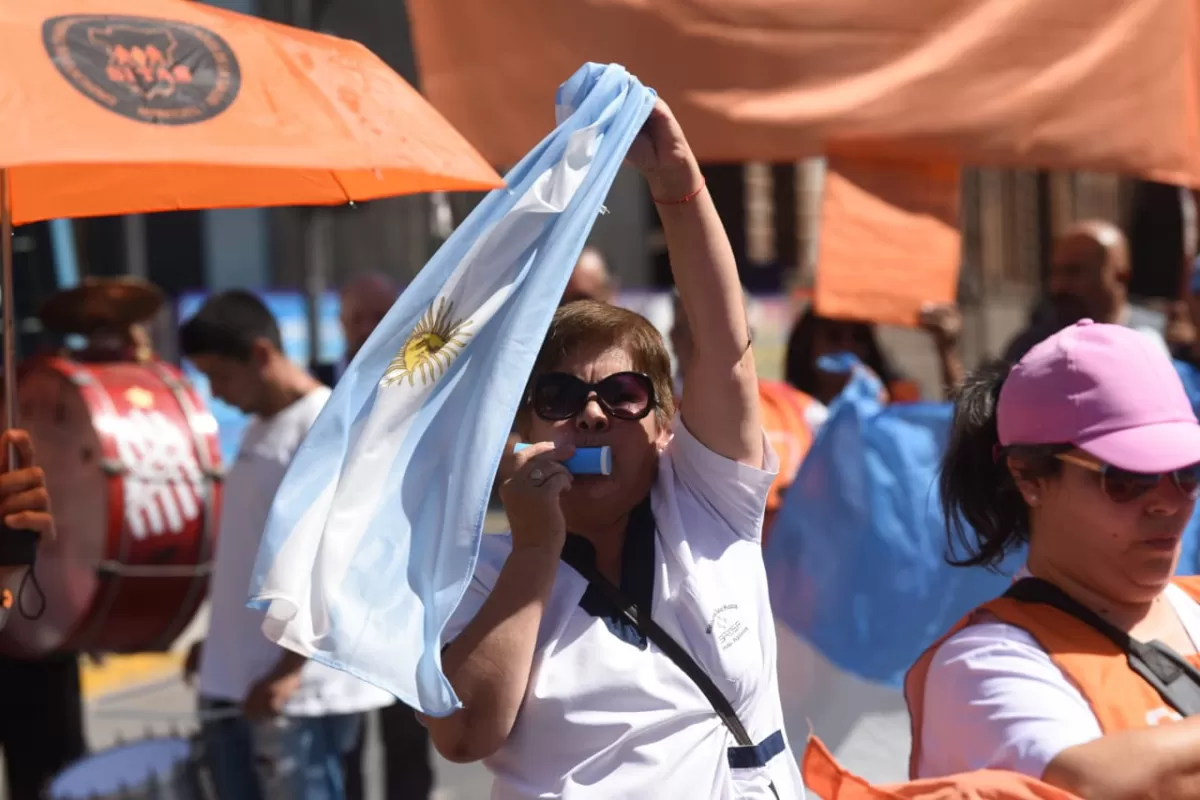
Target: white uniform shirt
x=236 y=654
x=994 y=699
x=606 y=716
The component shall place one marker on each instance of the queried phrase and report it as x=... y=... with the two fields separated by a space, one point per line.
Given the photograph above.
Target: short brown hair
x=590 y=324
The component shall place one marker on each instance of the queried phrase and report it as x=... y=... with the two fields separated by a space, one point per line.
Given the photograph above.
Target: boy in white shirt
x=290 y=722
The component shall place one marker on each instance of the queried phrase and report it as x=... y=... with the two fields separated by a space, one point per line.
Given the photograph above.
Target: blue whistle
x=586 y=461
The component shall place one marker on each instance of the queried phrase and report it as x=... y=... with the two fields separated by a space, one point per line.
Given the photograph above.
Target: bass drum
x=132 y=464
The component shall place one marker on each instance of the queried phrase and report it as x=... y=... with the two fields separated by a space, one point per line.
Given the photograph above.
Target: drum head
x=120 y=768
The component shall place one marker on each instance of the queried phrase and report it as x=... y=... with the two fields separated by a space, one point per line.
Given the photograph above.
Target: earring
x=1033 y=499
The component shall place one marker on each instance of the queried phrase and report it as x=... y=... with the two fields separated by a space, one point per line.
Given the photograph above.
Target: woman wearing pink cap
x=1087 y=451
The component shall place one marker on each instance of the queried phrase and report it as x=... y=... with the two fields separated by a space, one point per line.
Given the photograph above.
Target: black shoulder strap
x=642 y=520
x=1169 y=673
x=673 y=650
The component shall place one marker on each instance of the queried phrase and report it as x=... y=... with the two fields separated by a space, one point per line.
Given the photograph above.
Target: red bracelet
x=687 y=198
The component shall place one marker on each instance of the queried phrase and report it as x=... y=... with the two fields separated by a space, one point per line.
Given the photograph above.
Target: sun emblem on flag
x=436 y=340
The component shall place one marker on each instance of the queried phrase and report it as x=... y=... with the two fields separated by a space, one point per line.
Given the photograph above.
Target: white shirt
x=236 y=654
x=603 y=718
x=994 y=699
x=1148 y=322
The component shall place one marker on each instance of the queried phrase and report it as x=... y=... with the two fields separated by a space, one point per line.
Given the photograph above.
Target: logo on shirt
x=434 y=343
x=726 y=627
x=148 y=70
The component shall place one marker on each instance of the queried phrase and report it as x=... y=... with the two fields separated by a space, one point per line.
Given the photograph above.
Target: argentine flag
x=374 y=533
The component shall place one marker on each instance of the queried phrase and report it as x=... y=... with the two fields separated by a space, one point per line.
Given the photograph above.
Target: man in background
x=365 y=301
x=1089 y=279
x=408 y=769
x=591 y=279
x=279 y=724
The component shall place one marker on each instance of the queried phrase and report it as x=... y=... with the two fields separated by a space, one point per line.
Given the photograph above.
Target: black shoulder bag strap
x=1171 y=675
x=674 y=651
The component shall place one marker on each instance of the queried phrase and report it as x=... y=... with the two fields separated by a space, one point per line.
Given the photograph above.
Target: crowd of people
x=618 y=640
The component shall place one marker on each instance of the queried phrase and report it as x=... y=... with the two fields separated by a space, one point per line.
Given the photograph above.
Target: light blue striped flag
x=374 y=534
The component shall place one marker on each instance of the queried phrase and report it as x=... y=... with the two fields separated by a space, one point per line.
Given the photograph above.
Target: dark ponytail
x=985 y=513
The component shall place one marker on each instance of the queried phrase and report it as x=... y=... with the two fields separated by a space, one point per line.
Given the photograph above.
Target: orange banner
x=1102 y=85
x=889 y=241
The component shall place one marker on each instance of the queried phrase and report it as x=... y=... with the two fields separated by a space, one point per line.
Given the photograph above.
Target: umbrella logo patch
x=149 y=70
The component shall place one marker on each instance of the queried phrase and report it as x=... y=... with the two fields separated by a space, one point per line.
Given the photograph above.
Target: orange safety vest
x=1119 y=697
x=827 y=779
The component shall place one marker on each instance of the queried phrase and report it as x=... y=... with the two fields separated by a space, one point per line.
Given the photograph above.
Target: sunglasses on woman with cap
x=1124 y=486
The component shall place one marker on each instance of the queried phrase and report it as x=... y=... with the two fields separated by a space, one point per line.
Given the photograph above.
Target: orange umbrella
x=182 y=106
x=189 y=106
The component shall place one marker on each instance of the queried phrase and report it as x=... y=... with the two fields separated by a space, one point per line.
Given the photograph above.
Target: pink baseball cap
x=1107 y=389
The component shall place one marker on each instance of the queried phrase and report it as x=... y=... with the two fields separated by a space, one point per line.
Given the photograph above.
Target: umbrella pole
x=9 y=330
x=17 y=547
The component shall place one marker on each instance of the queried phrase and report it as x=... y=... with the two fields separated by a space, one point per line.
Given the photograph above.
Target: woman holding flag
x=1089 y=452
x=619 y=643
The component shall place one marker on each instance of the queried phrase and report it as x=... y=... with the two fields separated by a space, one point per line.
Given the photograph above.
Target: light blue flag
x=1189 y=555
x=856 y=556
x=374 y=534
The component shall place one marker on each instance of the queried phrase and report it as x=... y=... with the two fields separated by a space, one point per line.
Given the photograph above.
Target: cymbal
x=101 y=304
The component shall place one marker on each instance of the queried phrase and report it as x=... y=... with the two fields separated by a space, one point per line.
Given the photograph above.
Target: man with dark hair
x=298 y=718
x=234 y=340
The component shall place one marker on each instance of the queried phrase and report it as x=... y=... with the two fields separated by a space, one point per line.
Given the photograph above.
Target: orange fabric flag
x=1106 y=85
x=828 y=780
x=889 y=239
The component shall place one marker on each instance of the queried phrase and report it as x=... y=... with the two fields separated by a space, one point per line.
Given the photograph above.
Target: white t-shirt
x=604 y=718
x=994 y=699
x=236 y=654
x=1148 y=322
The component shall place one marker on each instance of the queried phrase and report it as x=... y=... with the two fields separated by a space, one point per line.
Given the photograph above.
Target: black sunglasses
x=622 y=395
x=1123 y=486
